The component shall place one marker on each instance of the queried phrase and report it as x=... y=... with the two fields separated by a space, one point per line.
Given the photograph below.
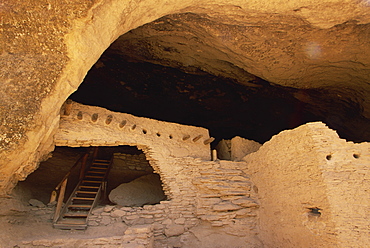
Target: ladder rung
x=102 y=160
x=71 y=221
x=96 y=172
x=89 y=187
x=89 y=181
x=94 y=176
x=83 y=198
x=100 y=163
x=79 y=206
x=86 y=192
x=75 y=215
x=98 y=168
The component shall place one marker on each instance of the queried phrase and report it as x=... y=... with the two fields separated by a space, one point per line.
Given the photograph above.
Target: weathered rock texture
x=312 y=188
x=46 y=56
x=317 y=48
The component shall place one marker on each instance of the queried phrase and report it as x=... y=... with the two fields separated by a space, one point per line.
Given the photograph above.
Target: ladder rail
x=69 y=201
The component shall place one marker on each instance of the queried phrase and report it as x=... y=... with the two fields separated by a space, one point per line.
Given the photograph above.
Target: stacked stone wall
x=312 y=188
x=216 y=192
x=122 y=161
x=345 y=170
x=225 y=195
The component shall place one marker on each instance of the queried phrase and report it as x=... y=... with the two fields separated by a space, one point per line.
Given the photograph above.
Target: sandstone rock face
x=142 y=191
x=320 y=44
x=318 y=50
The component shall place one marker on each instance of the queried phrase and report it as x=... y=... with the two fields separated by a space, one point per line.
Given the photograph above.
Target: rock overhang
x=78 y=34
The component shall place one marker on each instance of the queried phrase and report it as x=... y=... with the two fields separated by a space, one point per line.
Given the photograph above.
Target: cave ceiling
x=244 y=73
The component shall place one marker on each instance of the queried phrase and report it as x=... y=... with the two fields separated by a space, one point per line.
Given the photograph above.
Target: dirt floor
x=27 y=223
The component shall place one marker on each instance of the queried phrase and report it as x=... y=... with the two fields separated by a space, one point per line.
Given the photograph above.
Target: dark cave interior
x=40 y=184
x=257 y=110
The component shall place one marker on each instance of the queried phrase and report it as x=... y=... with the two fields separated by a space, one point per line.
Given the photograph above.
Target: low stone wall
x=167 y=218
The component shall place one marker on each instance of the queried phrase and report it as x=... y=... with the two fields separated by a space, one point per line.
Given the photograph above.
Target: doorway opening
x=128 y=164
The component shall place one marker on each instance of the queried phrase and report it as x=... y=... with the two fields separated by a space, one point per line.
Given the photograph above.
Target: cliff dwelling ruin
x=185 y=123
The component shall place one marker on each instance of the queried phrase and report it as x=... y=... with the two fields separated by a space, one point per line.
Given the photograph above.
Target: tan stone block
x=245 y=202
x=142 y=228
x=117 y=213
x=180 y=221
x=167 y=222
x=217 y=223
x=226 y=206
x=132 y=217
x=174 y=230
x=243 y=212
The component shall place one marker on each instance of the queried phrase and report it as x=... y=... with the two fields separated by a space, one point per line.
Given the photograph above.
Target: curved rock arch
x=90 y=33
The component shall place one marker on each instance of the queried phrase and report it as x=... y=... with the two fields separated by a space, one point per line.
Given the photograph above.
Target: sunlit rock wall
x=49 y=47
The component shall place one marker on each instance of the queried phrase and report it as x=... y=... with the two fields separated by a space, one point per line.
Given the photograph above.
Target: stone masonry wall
x=138 y=162
x=198 y=190
x=312 y=187
x=179 y=155
x=218 y=193
x=211 y=204
x=225 y=196
x=94 y=126
x=345 y=170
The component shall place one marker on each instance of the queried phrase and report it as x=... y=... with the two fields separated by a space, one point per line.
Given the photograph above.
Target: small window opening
x=355 y=155
x=314 y=211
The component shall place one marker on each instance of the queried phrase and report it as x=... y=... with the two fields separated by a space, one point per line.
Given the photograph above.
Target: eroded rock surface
x=317 y=50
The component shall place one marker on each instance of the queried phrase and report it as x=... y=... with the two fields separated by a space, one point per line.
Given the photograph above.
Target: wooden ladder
x=85 y=196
